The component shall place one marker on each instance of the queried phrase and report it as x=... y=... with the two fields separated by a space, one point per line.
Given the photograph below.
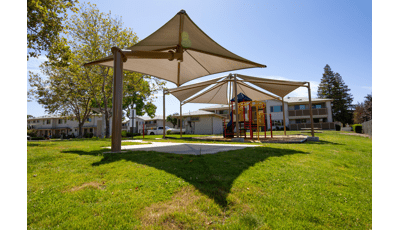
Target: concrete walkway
x=185 y=148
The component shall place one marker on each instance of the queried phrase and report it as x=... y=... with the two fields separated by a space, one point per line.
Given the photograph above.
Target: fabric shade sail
x=184 y=92
x=200 y=55
x=220 y=92
x=277 y=87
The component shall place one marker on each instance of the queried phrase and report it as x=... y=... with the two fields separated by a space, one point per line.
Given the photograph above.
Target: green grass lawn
x=314 y=185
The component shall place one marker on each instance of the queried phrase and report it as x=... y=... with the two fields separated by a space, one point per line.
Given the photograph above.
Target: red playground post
x=265 y=125
x=270 y=123
x=143 y=130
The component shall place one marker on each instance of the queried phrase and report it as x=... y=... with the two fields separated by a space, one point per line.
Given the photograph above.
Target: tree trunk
x=80 y=130
x=106 y=116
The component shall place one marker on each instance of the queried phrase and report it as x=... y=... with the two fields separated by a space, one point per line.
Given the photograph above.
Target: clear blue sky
x=295 y=39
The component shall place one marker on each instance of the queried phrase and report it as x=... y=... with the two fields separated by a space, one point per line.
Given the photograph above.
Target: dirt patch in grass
x=92 y=184
x=172 y=214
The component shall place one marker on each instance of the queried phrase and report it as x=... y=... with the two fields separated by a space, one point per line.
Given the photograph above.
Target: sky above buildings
x=295 y=39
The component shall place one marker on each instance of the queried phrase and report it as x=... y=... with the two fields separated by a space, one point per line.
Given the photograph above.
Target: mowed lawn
x=314 y=185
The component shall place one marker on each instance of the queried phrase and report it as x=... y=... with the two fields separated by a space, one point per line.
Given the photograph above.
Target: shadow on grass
x=212 y=174
x=323 y=143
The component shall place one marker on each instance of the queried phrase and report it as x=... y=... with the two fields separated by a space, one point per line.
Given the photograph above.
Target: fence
x=367 y=128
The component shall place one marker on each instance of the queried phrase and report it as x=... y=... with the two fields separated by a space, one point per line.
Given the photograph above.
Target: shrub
x=37 y=138
x=357 y=128
x=88 y=135
x=337 y=127
x=169 y=132
x=32 y=133
x=129 y=134
x=124 y=133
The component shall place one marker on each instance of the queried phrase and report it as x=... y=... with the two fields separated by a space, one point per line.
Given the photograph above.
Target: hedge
x=357 y=128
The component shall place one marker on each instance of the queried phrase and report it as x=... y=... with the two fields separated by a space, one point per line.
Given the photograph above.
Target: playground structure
x=251 y=116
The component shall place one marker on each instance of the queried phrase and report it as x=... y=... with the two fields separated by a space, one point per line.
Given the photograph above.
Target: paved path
x=185 y=148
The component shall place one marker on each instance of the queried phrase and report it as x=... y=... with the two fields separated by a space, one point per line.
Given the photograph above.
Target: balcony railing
x=306 y=112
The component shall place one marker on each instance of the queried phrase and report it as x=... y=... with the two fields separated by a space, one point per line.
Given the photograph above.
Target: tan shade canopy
x=219 y=93
x=184 y=92
x=201 y=55
x=277 y=87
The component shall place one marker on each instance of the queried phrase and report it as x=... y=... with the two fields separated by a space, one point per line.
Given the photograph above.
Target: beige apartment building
x=57 y=125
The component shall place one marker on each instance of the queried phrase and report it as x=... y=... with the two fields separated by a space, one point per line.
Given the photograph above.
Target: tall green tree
x=91 y=35
x=44 y=27
x=333 y=86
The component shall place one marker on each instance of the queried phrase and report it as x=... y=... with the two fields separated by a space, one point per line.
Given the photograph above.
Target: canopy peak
x=182 y=12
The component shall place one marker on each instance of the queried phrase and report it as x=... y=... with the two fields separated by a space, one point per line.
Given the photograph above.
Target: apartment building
x=150 y=123
x=57 y=125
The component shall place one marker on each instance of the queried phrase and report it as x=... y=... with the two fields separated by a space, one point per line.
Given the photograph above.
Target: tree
x=367 y=115
x=92 y=34
x=64 y=91
x=44 y=26
x=332 y=86
x=363 y=111
x=173 y=120
x=29 y=116
x=358 y=113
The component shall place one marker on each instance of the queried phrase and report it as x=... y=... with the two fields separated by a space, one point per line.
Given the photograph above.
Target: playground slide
x=230 y=122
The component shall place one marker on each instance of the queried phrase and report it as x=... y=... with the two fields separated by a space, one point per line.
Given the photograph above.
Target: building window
x=76 y=130
x=89 y=119
x=59 y=121
x=65 y=121
x=276 y=109
x=48 y=121
x=44 y=121
x=319 y=106
x=91 y=130
x=302 y=107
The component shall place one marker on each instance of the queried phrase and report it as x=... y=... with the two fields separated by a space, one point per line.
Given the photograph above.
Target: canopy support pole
x=236 y=109
x=180 y=119
x=117 y=101
x=284 y=120
x=164 y=113
x=310 y=107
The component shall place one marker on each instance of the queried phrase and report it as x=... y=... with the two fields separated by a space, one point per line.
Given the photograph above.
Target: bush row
x=124 y=133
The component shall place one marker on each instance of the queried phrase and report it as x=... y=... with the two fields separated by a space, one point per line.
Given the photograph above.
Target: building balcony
x=306 y=112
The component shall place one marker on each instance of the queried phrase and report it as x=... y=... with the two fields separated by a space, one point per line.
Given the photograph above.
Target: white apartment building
x=57 y=125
